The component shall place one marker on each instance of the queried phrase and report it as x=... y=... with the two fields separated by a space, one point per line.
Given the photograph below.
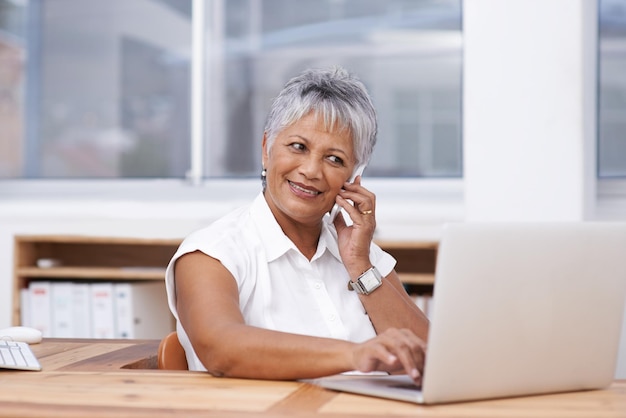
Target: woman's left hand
x=354 y=241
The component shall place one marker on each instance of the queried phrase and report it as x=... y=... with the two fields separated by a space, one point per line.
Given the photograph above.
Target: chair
x=171 y=355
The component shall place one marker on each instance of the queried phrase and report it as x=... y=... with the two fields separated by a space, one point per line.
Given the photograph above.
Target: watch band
x=367 y=282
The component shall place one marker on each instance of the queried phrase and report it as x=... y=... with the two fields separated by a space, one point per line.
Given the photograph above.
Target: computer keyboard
x=17 y=355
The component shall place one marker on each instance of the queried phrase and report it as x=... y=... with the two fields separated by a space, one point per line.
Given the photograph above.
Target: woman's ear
x=265 y=155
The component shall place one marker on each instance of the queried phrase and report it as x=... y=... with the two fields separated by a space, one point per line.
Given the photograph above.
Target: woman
x=267 y=291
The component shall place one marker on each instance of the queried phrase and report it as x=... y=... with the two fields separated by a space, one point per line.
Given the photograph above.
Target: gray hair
x=338 y=97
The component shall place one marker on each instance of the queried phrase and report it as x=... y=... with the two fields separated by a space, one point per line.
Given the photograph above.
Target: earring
x=264 y=178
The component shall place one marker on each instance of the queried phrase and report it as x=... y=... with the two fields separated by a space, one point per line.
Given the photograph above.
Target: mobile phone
x=336 y=208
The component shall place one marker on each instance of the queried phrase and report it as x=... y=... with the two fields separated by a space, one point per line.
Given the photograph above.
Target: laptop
x=519 y=309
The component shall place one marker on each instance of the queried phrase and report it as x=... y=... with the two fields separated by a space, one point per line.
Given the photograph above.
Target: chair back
x=171 y=355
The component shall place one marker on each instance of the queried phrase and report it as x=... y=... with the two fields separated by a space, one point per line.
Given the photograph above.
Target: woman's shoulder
x=231 y=227
x=230 y=239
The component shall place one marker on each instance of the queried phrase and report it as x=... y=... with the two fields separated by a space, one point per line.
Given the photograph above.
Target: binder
x=81 y=300
x=102 y=311
x=62 y=310
x=40 y=308
x=124 y=327
x=25 y=307
x=139 y=310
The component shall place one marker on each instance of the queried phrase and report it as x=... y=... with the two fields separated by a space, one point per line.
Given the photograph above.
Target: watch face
x=370 y=281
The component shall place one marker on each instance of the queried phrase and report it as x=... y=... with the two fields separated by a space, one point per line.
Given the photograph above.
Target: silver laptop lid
x=524 y=309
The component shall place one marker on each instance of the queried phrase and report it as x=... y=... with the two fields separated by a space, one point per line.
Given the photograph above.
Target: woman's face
x=306 y=167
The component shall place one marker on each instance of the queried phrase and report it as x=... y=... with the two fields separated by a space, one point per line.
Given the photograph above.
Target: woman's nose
x=310 y=167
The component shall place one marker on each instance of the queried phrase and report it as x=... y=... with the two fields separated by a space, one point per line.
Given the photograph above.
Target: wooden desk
x=102 y=378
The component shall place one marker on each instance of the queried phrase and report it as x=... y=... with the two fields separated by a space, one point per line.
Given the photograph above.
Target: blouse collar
x=274 y=240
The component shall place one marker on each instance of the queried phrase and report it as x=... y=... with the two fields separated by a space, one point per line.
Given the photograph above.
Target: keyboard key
x=7 y=356
x=17 y=355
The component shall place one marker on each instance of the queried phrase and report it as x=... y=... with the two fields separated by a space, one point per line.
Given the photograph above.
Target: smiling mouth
x=303 y=190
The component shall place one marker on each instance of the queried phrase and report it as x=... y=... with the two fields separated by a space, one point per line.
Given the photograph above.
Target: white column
x=529 y=109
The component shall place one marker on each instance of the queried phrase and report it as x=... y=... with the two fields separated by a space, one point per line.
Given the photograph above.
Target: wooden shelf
x=425 y=279
x=416 y=262
x=88 y=258
x=93 y=273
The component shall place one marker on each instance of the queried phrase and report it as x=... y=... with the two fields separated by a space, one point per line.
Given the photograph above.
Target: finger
x=356 y=187
x=366 y=223
x=415 y=364
x=356 y=213
x=364 y=202
x=410 y=351
x=360 y=198
x=375 y=356
x=412 y=366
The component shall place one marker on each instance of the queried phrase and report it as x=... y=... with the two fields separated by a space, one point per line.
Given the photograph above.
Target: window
x=106 y=91
x=612 y=89
x=12 y=49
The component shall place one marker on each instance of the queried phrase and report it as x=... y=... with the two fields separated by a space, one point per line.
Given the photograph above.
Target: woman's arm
x=208 y=307
x=389 y=306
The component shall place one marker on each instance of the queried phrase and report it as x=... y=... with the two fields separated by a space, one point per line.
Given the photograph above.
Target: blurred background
x=145 y=117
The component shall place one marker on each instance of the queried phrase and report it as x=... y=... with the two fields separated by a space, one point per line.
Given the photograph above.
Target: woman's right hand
x=394 y=350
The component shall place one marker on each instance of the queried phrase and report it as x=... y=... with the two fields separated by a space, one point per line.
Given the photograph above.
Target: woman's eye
x=298 y=146
x=336 y=159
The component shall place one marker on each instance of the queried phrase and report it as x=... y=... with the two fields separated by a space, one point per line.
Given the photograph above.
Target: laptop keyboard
x=17 y=355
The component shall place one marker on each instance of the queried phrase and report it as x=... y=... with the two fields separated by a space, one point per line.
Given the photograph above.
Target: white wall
x=529 y=100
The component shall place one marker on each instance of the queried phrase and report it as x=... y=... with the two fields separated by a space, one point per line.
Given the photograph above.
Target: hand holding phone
x=336 y=208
